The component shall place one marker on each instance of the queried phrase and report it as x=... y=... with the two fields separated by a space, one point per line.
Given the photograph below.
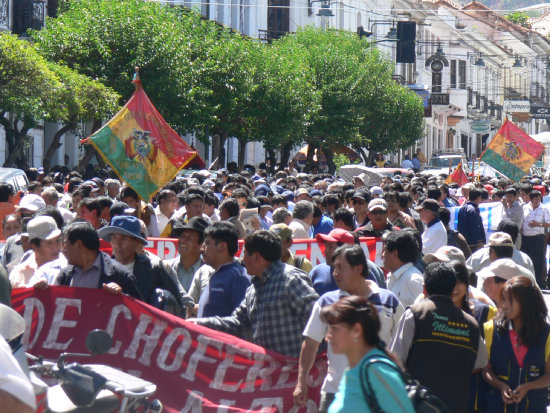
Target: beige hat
x=378 y=203
x=445 y=254
x=43 y=227
x=504 y=268
x=469 y=186
x=500 y=239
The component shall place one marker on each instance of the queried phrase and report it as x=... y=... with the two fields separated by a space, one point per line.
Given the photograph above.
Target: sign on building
x=440 y=98
x=516 y=106
x=540 y=112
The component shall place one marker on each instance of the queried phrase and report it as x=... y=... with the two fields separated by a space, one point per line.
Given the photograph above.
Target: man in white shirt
x=350 y=273
x=481 y=258
x=167 y=204
x=536 y=219
x=435 y=234
x=302 y=219
x=45 y=241
x=400 y=252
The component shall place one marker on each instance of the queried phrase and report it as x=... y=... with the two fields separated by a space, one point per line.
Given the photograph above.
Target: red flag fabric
x=141 y=147
x=458 y=176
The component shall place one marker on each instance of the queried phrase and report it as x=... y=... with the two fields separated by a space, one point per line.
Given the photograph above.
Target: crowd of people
x=460 y=311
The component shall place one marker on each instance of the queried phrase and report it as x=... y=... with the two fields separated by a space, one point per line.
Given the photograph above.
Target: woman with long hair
x=518 y=342
x=353 y=331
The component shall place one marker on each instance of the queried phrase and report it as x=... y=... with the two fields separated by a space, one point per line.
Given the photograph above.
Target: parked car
x=439 y=162
x=15 y=177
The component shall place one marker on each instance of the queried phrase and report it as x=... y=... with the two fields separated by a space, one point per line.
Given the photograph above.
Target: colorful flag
x=458 y=176
x=512 y=151
x=141 y=147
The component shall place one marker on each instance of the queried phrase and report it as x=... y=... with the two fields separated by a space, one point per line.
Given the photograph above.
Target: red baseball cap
x=336 y=235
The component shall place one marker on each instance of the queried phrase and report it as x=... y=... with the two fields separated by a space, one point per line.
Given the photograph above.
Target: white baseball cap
x=42 y=227
x=32 y=202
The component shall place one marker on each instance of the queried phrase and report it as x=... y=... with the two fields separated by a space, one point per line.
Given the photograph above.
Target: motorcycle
x=91 y=388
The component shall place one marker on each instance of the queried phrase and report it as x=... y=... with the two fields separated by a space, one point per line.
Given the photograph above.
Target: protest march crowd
x=460 y=310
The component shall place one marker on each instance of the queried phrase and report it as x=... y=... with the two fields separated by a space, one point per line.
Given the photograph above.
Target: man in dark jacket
x=438 y=343
x=470 y=223
x=151 y=274
x=88 y=267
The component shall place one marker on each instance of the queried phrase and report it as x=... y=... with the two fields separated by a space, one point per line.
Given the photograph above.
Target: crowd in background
x=460 y=311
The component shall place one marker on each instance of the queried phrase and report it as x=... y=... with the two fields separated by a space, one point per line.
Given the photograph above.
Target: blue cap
x=262 y=190
x=289 y=195
x=315 y=192
x=279 y=189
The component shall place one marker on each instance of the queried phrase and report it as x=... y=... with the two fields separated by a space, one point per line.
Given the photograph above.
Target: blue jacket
x=226 y=289
x=506 y=368
x=470 y=224
x=324 y=226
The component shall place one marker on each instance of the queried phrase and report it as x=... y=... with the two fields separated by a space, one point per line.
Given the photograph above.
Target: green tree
x=29 y=92
x=392 y=121
x=82 y=99
x=519 y=18
x=107 y=39
x=34 y=90
x=359 y=104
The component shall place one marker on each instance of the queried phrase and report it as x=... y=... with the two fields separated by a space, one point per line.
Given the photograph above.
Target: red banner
x=196 y=369
x=167 y=248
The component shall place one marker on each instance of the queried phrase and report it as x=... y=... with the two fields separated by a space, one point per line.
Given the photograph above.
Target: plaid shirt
x=275 y=310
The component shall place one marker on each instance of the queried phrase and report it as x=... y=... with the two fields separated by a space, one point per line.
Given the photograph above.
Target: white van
x=15 y=177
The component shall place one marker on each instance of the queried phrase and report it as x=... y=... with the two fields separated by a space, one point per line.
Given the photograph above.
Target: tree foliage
x=321 y=87
x=34 y=89
x=519 y=18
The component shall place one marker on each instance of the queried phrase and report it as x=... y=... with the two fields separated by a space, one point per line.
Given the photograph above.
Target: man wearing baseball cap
x=360 y=202
x=507 y=230
x=435 y=234
x=45 y=241
x=321 y=275
x=190 y=238
x=298 y=261
x=124 y=234
x=378 y=220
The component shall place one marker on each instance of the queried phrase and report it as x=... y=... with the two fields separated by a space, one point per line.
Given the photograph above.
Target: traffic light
x=406 y=36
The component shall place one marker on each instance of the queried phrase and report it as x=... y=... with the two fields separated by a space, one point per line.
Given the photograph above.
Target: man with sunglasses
x=378 y=220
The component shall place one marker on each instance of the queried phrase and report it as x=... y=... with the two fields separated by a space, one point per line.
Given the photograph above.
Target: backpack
x=298 y=261
x=423 y=400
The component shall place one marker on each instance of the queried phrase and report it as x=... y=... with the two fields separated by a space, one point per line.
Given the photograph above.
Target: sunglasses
x=378 y=212
x=358 y=202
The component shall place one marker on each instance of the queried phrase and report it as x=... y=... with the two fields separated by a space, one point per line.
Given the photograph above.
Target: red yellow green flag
x=458 y=176
x=512 y=151
x=140 y=146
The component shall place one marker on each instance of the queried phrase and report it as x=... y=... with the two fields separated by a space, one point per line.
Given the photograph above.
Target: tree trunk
x=330 y=160
x=242 y=153
x=89 y=152
x=272 y=165
x=19 y=137
x=89 y=149
x=311 y=147
x=56 y=143
x=285 y=155
x=218 y=149
x=362 y=153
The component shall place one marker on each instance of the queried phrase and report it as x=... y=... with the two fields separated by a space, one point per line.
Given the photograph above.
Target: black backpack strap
x=299 y=261
x=370 y=397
